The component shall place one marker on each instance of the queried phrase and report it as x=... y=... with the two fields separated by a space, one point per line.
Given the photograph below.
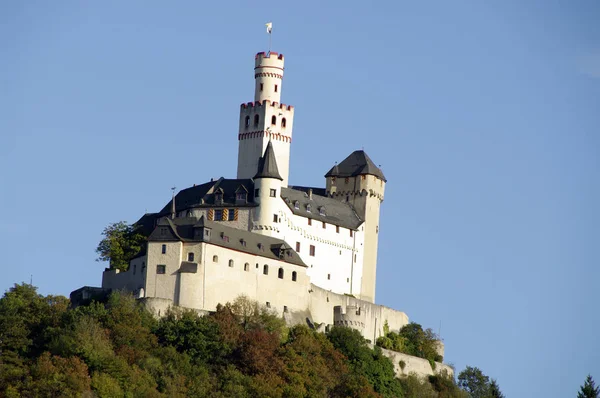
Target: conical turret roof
x=356 y=164
x=267 y=164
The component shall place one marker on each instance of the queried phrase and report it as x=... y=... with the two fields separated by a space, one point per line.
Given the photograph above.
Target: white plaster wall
x=163 y=285
x=131 y=280
x=222 y=283
x=271 y=64
x=333 y=267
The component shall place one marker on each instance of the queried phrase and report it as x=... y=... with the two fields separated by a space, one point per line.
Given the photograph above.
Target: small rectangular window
x=268 y=304
x=219 y=215
x=298 y=247
x=231 y=215
x=276 y=88
x=328 y=276
x=190 y=257
x=262 y=86
x=312 y=250
x=161 y=269
x=274 y=217
x=164 y=249
x=273 y=193
x=163 y=231
x=351 y=233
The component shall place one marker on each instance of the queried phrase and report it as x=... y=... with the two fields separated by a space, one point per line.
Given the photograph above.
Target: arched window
x=280 y=273
x=256 y=119
x=266 y=269
x=294 y=276
x=215 y=259
x=273 y=120
x=247 y=123
x=246 y=267
x=231 y=263
x=283 y=122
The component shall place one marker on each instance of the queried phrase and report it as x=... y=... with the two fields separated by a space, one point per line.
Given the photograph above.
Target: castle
x=308 y=253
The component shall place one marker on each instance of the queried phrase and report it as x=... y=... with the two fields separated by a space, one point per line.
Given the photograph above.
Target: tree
x=589 y=389
x=473 y=381
x=120 y=244
x=495 y=390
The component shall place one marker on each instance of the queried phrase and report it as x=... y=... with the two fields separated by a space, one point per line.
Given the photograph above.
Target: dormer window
x=218 y=197
x=241 y=196
x=321 y=211
x=308 y=207
x=260 y=247
x=243 y=242
x=296 y=205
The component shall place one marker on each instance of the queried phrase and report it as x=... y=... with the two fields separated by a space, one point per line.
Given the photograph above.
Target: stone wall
x=419 y=366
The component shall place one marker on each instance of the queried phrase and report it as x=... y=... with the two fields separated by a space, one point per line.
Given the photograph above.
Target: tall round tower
x=266 y=119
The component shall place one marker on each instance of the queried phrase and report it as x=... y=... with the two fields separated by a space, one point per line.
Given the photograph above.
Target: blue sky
x=485 y=118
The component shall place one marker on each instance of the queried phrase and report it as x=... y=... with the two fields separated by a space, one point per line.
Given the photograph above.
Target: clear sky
x=484 y=116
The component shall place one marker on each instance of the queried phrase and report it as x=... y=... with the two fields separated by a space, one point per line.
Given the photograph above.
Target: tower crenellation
x=265 y=119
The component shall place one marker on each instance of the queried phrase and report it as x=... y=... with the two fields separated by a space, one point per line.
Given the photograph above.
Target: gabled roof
x=267 y=165
x=183 y=229
x=203 y=195
x=335 y=211
x=354 y=165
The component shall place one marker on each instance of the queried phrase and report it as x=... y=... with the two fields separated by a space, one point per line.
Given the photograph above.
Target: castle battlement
x=260 y=56
x=259 y=104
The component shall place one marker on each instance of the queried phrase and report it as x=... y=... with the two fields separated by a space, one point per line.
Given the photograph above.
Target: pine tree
x=495 y=390
x=589 y=389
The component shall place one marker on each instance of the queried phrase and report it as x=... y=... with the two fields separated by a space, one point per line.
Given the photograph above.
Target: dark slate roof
x=204 y=195
x=145 y=225
x=335 y=212
x=316 y=190
x=183 y=229
x=356 y=164
x=267 y=165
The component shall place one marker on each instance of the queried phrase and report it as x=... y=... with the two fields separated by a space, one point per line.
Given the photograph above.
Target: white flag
x=269 y=26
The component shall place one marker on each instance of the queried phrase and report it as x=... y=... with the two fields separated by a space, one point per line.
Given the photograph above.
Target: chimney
x=309 y=193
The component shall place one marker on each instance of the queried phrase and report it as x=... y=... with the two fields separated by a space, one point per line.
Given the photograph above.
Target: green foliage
x=589 y=389
x=371 y=364
x=117 y=349
x=478 y=385
x=412 y=340
x=120 y=244
x=402 y=364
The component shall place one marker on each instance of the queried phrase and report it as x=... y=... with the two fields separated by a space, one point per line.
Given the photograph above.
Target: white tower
x=266 y=119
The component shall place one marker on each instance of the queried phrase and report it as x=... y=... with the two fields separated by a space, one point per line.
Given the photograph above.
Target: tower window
x=164 y=249
x=310 y=221
x=312 y=250
x=273 y=193
x=280 y=273
x=273 y=120
x=274 y=217
x=190 y=257
x=247 y=123
x=266 y=269
x=256 y=120
x=308 y=207
x=283 y=122
x=328 y=276
x=215 y=259
x=262 y=86
x=296 y=205
x=276 y=88
x=294 y=276
x=298 y=247
x=246 y=267
x=161 y=269
x=231 y=263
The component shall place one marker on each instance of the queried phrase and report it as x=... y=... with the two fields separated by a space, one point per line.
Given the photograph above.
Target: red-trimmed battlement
x=266 y=102
x=263 y=133
x=271 y=54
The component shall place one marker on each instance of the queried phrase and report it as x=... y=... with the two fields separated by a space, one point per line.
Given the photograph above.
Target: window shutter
x=235 y=214
x=211 y=214
x=225 y=214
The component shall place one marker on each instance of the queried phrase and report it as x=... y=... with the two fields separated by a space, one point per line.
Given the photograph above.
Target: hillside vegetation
x=118 y=349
